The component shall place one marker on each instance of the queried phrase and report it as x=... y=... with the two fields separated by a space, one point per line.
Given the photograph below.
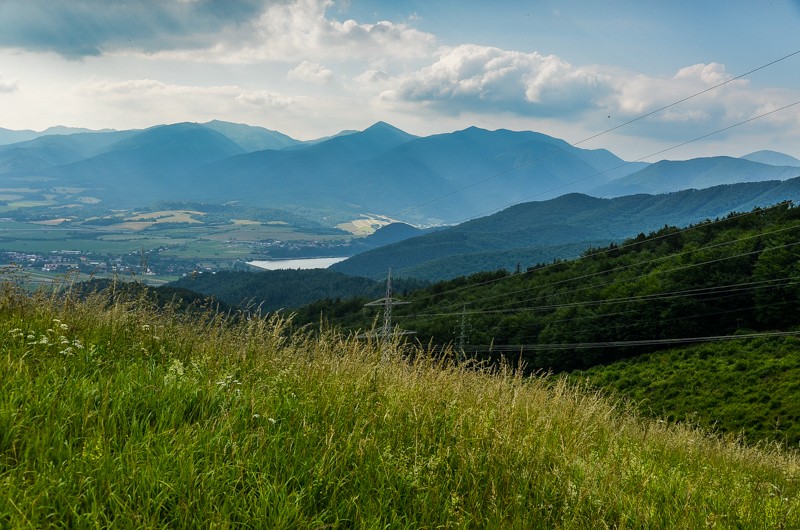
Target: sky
x=312 y=68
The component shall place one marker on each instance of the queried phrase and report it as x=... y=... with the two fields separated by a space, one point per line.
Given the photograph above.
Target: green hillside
x=749 y=388
x=735 y=281
x=716 y=278
x=115 y=414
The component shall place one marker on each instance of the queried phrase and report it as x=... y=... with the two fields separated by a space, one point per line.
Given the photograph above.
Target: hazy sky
x=311 y=68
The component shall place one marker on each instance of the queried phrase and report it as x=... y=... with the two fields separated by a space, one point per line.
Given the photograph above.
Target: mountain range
x=433 y=180
x=539 y=232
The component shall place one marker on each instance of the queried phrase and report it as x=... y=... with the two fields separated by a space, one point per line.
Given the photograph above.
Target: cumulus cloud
x=310 y=71
x=8 y=85
x=475 y=80
x=708 y=74
x=479 y=78
x=239 y=31
x=302 y=28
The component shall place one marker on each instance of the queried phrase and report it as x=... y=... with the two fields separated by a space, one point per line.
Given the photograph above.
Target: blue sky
x=311 y=68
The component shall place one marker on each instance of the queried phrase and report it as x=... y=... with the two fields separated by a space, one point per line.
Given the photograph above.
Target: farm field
x=157 y=242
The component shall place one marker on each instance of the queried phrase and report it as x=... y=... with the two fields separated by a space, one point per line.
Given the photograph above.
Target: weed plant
x=119 y=414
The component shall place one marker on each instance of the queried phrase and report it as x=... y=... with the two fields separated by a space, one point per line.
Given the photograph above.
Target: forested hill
x=740 y=274
x=285 y=289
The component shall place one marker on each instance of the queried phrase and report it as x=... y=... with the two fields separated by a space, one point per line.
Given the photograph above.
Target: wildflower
x=174 y=372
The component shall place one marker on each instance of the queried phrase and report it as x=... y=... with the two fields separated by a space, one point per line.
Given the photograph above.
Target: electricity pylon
x=386 y=332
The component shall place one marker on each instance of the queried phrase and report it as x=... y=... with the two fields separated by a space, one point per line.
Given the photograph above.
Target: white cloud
x=301 y=30
x=709 y=74
x=311 y=72
x=475 y=78
x=263 y=98
x=8 y=85
x=373 y=77
x=471 y=80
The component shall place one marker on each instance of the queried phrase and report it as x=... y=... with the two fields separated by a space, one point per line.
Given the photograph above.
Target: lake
x=306 y=263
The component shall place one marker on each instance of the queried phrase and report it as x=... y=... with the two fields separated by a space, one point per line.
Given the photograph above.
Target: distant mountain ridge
x=9 y=136
x=432 y=180
x=668 y=176
x=773 y=158
x=560 y=228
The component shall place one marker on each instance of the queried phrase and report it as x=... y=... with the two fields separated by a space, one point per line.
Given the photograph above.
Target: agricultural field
x=49 y=232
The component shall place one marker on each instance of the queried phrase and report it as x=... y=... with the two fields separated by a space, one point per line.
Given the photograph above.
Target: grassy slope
x=750 y=387
x=117 y=415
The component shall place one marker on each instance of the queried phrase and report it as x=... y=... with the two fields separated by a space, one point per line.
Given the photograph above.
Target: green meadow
x=116 y=413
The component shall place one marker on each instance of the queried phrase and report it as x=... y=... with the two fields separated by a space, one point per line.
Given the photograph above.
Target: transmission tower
x=386 y=332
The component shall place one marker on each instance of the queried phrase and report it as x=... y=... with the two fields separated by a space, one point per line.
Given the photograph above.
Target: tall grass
x=116 y=414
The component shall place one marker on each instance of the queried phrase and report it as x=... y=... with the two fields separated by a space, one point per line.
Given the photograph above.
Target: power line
x=557 y=149
x=671 y=319
x=641 y=263
x=631 y=244
x=500 y=348
x=686 y=293
x=637 y=160
x=641 y=159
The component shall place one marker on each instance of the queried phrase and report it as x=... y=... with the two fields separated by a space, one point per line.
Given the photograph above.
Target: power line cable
x=628 y=245
x=558 y=149
x=663 y=320
x=746 y=286
x=648 y=156
x=631 y=244
x=504 y=348
x=656 y=153
x=625 y=267
x=641 y=159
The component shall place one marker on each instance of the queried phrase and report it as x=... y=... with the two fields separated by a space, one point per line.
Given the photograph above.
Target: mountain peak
x=383 y=133
x=773 y=158
x=383 y=126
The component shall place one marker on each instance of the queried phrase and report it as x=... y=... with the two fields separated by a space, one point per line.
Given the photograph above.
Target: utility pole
x=387 y=332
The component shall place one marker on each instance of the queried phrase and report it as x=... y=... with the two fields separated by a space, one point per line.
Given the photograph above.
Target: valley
x=656 y=284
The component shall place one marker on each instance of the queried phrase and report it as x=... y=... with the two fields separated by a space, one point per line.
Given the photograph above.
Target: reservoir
x=306 y=263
